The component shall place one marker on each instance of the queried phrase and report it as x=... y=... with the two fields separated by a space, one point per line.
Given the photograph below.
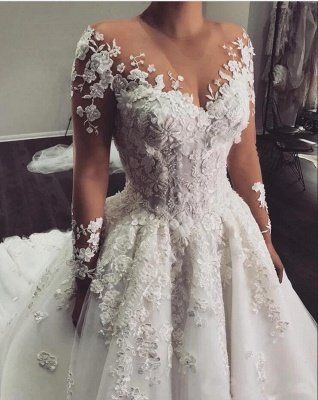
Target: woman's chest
x=171 y=118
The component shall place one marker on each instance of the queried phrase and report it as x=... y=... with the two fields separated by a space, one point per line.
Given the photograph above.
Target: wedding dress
x=184 y=303
x=60 y=158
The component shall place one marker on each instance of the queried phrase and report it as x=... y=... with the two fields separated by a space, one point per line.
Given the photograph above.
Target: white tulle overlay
x=22 y=262
x=60 y=158
x=185 y=303
x=211 y=287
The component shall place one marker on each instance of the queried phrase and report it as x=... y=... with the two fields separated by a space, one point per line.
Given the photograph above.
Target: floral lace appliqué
x=47 y=361
x=39 y=316
x=259 y=187
x=176 y=199
x=86 y=240
x=97 y=74
x=69 y=385
x=259 y=363
x=100 y=74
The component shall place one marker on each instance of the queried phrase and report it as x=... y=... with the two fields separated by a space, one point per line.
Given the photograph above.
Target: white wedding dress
x=59 y=158
x=185 y=303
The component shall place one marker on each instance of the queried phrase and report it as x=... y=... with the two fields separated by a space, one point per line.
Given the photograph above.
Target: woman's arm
x=245 y=173
x=246 y=178
x=90 y=184
x=93 y=113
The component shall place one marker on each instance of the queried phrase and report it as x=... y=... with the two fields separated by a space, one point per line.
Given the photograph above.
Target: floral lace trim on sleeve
x=246 y=47
x=259 y=187
x=83 y=255
x=47 y=361
x=241 y=53
x=248 y=54
x=97 y=76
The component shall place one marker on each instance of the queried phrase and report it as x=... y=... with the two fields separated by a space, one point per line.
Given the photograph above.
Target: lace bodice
x=176 y=264
x=174 y=152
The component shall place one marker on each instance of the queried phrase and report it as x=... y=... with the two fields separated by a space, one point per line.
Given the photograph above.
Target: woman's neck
x=176 y=19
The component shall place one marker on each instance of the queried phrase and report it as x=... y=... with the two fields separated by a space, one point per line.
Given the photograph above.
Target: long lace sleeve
x=243 y=161
x=93 y=112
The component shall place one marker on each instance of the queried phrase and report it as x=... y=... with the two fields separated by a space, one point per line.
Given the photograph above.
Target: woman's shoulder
x=119 y=29
x=231 y=29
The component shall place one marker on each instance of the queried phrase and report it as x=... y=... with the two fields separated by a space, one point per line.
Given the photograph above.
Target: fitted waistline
x=194 y=206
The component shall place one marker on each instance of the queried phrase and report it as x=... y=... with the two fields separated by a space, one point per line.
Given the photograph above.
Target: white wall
x=230 y=11
x=37 y=47
x=254 y=16
x=258 y=23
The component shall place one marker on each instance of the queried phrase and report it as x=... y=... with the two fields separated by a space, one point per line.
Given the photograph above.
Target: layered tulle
x=60 y=158
x=178 y=311
x=23 y=260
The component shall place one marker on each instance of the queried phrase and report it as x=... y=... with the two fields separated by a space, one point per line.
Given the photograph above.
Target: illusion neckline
x=189 y=96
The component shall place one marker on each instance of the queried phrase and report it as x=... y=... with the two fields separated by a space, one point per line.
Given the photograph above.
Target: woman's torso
x=174 y=146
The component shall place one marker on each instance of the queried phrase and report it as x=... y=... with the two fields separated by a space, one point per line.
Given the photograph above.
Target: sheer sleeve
x=93 y=112
x=243 y=161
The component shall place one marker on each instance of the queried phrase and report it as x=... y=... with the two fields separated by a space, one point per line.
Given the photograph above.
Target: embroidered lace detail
x=85 y=246
x=239 y=65
x=122 y=323
x=173 y=238
x=175 y=81
x=188 y=361
x=129 y=324
x=262 y=288
x=70 y=383
x=66 y=291
x=100 y=74
x=39 y=316
x=147 y=346
x=259 y=362
x=97 y=74
x=47 y=361
x=124 y=316
x=259 y=187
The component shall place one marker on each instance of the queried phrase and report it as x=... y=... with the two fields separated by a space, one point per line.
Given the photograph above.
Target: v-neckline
x=185 y=93
x=213 y=96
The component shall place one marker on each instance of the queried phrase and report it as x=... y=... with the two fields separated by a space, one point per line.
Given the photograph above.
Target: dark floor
x=36 y=203
x=295 y=227
x=32 y=202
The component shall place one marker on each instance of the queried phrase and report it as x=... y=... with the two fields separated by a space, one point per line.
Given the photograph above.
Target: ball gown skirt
x=189 y=311
x=185 y=303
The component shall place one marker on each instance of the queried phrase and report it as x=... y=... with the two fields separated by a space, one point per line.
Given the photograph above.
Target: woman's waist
x=175 y=203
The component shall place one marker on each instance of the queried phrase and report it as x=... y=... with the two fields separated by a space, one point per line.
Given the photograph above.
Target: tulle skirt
x=60 y=158
x=177 y=311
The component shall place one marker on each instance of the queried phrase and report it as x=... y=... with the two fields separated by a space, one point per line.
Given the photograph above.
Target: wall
x=258 y=23
x=231 y=11
x=37 y=46
x=254 y=16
